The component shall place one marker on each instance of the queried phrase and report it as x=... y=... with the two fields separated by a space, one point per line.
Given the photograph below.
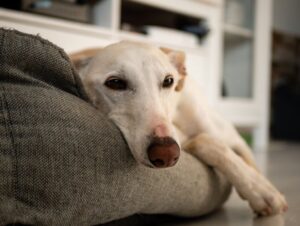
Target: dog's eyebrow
x=119 y=73
x=169 y=74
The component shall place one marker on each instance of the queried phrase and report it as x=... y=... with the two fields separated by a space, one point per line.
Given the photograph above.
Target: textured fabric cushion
x=63 y=163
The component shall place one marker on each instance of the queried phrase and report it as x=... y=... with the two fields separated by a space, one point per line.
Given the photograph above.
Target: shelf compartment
x=238 y=68
x=233 y=30
x=240 y=13
x=160 y=24
x=196 y=8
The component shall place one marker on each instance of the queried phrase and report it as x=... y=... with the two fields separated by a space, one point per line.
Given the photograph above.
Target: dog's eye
x=168 y=82
x=116 y=83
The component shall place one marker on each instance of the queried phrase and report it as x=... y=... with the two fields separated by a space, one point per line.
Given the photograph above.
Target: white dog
x=144 y=90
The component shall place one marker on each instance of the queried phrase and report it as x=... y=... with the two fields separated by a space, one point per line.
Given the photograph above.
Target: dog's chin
x=147 y=164
x=143 y=162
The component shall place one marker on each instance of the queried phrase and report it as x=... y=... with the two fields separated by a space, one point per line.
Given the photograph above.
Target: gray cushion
x=63 y=163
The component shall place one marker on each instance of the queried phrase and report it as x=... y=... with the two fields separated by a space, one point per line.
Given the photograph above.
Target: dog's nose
x=163 y=152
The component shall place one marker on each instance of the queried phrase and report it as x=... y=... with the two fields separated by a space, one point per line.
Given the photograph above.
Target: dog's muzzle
x=163 y=152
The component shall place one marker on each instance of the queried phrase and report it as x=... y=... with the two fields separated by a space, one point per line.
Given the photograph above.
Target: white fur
x=184 y=115
x=138 y=111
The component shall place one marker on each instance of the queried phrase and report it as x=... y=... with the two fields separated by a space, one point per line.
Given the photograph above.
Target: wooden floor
x=282 y=167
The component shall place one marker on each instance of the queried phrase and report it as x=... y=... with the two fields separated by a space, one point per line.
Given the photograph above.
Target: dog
x=160 y=111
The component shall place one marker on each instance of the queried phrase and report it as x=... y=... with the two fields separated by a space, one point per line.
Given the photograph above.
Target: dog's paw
x=263 y=197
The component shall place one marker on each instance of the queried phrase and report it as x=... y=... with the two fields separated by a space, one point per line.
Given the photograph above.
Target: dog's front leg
x=262 y=196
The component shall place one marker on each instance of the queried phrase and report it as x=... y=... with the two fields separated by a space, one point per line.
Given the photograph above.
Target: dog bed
x=63 y=163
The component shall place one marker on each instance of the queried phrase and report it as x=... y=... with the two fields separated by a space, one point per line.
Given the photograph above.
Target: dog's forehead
x=128 y=48
x=131 y=54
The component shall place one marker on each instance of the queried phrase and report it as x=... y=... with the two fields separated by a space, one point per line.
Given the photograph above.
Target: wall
x=286 y=16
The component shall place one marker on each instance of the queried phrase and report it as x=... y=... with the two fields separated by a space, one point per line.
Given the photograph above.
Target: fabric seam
x=8 y=126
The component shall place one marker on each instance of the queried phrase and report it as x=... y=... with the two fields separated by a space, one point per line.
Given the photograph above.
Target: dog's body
x=141 y=89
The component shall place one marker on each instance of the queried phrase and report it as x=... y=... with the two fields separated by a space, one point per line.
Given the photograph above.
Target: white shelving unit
x=205 y=62
x=245 y=63
x=73 y=36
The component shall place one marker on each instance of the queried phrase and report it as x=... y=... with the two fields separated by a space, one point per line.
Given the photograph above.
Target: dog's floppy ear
x=177 y=58
x=81 y=59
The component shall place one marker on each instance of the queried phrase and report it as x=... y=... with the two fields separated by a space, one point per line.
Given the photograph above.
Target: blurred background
x=245 y=54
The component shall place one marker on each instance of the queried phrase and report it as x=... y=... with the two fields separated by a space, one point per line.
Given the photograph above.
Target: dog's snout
x=161 y=131
x=163 y=152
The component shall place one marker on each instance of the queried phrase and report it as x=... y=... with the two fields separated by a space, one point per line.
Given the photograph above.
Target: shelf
x=76 y=28
x=210 y=2
x=53 y=23
x=242 y=112
x=237 y=31
x=125 y=35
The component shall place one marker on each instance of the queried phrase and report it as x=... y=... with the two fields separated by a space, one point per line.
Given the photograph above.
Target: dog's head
x=137 y=86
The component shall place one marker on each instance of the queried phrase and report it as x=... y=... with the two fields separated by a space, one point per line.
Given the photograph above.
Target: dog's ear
x=177 y=58
x=81 y=59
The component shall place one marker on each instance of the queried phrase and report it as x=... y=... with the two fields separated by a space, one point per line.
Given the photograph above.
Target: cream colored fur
x=183 y=113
